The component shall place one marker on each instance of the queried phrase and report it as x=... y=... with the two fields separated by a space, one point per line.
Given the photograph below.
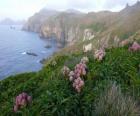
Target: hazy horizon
x=23 y=9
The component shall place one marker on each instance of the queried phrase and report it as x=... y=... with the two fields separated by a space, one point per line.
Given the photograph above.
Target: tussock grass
x=112 y=102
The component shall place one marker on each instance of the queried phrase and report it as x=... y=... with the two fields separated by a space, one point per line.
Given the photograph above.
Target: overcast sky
x=22 y=9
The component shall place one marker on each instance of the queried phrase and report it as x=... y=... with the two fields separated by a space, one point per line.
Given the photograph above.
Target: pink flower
x=78 y=84
x=80 y=70
x=99 y=54
x=77 y=75
x=15 y=108
x=22 y=100
x=135 y=47
x=24 y=95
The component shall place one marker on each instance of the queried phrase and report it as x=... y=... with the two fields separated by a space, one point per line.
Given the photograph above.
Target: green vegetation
x=126 y=35
x=53 y=94
x=97 y=27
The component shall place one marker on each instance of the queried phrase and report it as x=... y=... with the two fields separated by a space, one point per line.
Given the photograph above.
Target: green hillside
x=112 y=87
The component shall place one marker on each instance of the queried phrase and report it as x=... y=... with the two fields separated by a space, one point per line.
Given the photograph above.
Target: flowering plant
x=22 y=100
x=80 y=70
x=99 y=54
x=78 y=84
x=135 y=47
x=75 y=76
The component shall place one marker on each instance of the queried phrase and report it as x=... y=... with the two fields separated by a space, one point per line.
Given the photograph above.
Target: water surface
x=14 y=43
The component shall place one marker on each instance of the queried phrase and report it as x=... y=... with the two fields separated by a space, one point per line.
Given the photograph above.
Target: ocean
x=21 y=51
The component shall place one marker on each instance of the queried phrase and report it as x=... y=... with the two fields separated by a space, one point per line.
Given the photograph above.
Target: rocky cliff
x=35 y=22
x=69 y=26
x=65 y=27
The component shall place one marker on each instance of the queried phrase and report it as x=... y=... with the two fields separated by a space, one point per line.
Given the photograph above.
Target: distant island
x=8 y=21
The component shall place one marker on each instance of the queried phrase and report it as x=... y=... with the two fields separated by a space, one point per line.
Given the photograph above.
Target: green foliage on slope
x=53 y=94
x=97 y=27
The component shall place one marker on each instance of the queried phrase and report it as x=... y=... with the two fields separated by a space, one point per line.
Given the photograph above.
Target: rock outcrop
x=88 y=34
x=65 y=27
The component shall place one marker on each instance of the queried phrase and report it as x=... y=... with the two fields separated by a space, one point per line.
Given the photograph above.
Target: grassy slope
x=53 y=94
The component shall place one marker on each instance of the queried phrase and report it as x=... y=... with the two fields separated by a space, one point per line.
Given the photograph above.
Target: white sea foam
x=23 y=53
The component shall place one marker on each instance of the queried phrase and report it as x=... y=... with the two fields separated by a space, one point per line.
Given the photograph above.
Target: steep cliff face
x=35 y=22
x=66 y=35
x=65 y=27
x=110 y=28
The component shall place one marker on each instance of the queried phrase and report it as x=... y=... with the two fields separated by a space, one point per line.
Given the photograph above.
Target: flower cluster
x=80 y=70
x=99 y=54
x=65 y=71
x=75 y=76
x=135 y=47
x=22 y=100
x=78 y=84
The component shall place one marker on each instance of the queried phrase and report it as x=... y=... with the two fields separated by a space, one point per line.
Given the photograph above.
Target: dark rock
x=32 y=54
x=42 y=61
x=48 y=46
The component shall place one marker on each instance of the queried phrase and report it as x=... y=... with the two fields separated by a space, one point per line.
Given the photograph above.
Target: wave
x=24 y=53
